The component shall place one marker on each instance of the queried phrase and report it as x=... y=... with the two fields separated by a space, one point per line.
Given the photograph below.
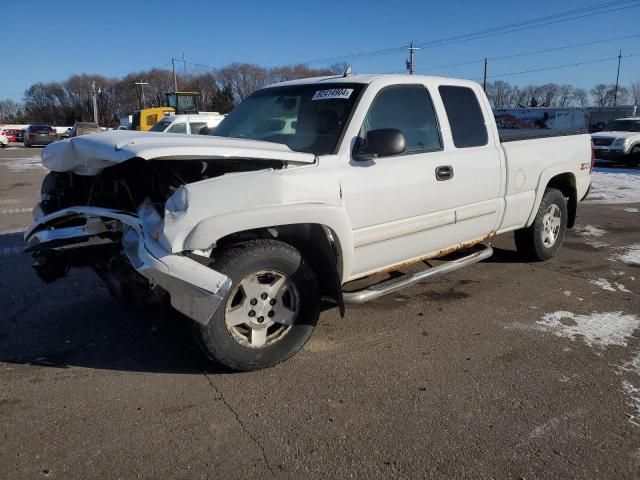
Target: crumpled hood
x=90 y=154
x=615 y=134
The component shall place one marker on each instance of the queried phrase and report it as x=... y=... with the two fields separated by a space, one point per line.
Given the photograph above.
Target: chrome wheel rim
x=551 y=222
x=261 y=309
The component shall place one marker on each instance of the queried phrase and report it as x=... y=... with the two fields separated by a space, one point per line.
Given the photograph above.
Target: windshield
x=160 y=126
x=306 y=118
x=623 y=126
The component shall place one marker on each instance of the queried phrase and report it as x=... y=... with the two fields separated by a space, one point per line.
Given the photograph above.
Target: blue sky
x=116 y=37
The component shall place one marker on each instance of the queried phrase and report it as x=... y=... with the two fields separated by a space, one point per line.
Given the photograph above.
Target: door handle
x=444 y=172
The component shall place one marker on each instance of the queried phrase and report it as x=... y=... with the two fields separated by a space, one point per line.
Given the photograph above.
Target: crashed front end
x=102 y=238
x=104 y=204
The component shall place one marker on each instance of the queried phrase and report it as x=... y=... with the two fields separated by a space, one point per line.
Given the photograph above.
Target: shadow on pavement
x=502 y=255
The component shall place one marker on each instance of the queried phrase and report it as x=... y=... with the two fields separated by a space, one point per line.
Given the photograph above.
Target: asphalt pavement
x=502 y=370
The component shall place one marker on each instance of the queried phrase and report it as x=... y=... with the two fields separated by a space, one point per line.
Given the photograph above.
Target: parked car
x=10 y=134
x=192 y=124
x=619 y=140
x=4 y=141
x=39 y=135
x=369 y=174
x=19 y=132
x=82 y=128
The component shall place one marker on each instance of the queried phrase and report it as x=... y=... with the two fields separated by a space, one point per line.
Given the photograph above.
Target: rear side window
x=407 y=108
x=196 y=128
x=465 y=116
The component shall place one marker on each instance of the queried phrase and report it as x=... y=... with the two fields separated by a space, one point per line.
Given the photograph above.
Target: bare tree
x=580 y=97
x=11 y=111
x=500 y=93
x=564 y=97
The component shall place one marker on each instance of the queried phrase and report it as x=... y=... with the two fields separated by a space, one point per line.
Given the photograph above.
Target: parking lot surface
x=503 y=370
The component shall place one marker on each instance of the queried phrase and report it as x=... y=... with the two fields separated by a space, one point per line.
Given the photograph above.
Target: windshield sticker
x=332 y=93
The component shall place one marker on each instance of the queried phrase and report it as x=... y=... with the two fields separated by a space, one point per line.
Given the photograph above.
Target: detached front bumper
x=195 y=289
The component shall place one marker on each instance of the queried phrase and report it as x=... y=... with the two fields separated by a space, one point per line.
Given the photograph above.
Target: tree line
x=63 y=103
x=504 y=95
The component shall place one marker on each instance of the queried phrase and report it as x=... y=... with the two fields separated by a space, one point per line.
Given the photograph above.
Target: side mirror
x=384 y=142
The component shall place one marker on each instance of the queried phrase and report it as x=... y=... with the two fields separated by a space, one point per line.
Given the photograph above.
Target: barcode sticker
x=332 y=93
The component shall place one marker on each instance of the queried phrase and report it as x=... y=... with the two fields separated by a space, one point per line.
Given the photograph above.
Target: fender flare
x=544 y=179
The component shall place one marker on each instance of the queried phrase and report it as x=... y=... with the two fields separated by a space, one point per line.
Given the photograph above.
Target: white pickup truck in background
x=307 y=187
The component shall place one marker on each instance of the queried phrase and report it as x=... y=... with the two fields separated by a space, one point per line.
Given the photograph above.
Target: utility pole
x=184 y=69
x=410 y=62
x=615 y=93
x=175 y=79
x=142 y=84
x=484 y=81
x=94 y=94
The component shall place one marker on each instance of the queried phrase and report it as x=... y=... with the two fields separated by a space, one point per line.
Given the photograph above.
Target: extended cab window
x=407 y=108
x=465 y=116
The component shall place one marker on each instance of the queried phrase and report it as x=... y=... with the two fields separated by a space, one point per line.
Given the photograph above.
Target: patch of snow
x=622 y=288
x=633 y=394
x=632 y=366
x=629 y=389
x=630 y=255
x=567 y=293
x=614 y=186
x=596 y=329
x=631 y=210
x=603 y=283
x=589 y=231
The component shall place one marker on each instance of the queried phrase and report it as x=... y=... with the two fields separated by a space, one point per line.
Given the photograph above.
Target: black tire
x=530 y=242
x=239 y=262
x=634 y=157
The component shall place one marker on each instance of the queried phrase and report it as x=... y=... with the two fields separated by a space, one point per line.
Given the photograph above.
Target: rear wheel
x=269 y=313
x=542 y=239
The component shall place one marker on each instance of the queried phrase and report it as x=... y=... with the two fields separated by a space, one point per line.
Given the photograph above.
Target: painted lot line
x=10 y=251
x=9 y=211
x=22 y=164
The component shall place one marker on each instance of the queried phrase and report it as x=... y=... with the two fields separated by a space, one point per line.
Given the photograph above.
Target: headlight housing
x=621 y=142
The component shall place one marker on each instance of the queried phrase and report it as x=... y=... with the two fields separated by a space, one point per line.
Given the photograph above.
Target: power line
x=500 y=30
x=557 y=67
x=525 y=54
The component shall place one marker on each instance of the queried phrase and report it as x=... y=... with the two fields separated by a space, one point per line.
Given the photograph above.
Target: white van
x=193 y=123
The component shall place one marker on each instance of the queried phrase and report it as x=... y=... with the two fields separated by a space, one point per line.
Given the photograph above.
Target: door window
x=177 y=128
x=407 y=108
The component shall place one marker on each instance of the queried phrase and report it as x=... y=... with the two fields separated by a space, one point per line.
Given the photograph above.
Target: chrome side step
x=395 y=284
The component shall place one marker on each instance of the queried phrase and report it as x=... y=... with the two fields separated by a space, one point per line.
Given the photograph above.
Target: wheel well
x=317 y=243
x=566 y=183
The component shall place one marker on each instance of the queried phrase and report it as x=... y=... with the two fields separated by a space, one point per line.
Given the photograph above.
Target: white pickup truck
x=309 y=189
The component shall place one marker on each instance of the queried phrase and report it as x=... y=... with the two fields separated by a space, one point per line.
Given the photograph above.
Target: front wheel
x=634 y=157
x=269 y=313
x=542 y=239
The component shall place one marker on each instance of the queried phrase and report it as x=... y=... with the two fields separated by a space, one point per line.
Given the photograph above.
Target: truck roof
x=370 y=77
